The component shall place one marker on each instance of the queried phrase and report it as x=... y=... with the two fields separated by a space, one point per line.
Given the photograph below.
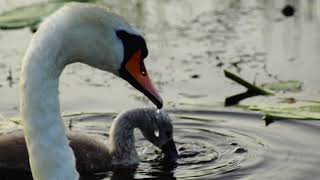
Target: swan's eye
x=168 y=133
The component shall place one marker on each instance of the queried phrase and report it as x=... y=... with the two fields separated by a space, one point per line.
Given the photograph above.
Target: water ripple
x=225 y=145
x=218 y=145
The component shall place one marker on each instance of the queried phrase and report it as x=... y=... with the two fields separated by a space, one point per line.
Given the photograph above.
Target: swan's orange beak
x=136 y=74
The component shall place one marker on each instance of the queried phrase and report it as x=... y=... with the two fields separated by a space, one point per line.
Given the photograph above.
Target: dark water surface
x=218 y=145
x=190 y=43
x=224 y=145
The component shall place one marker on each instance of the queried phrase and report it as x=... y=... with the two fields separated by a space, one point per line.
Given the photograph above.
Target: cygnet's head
x=105 y=41
x=158 y=130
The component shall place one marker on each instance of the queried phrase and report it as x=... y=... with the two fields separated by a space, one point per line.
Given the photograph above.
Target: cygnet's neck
x=50 y=156
x=121 y=141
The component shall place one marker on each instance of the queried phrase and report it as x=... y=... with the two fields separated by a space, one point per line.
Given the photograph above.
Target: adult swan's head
x=88 y=34
x=75 y=33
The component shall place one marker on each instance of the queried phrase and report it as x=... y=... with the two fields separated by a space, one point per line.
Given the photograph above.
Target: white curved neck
x=50 y=156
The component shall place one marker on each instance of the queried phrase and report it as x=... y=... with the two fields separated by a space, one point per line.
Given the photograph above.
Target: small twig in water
x=70 y=124
x=252 y=90
x=10 y=78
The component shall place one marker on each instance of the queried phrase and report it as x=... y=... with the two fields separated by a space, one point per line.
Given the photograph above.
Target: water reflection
x=123 y=173
x=224 y=145
x=187 y=38
x=201 y=38
x=215 y=145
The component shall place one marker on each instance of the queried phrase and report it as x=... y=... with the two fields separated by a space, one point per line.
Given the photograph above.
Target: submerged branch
x=253 y=90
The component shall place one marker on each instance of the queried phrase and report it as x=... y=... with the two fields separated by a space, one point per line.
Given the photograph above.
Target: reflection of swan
x=93 y=155
x=75 y=33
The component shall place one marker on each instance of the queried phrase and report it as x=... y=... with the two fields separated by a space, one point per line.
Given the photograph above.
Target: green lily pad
x=83 y=1
x=300 y=110
x=27 y=16
x=32 y=15
x=291 y=86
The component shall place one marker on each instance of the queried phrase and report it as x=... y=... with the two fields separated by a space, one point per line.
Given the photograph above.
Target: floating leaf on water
x=234 y=144
x=195 y=76
x=198 y=118
x=300 y=110
x=27 y=16
x=83 y=1
x=240 y=150
x=289 y=100
x=32 y=15
x=88 y=114
x=291 y=85
x=188 y=95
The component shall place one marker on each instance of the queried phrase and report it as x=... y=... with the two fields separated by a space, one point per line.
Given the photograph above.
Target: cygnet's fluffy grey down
x=94 y=155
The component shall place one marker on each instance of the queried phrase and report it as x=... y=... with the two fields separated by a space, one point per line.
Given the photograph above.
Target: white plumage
x=75 y=33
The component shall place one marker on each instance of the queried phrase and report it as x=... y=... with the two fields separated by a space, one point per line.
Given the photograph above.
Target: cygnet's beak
x=136 y=74
x=170 y=151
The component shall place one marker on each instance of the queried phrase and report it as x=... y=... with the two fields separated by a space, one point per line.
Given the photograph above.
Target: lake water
x=190 y=43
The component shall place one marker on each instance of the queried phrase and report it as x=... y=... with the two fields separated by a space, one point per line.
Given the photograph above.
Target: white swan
x=93 y=155
x=75 y=33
